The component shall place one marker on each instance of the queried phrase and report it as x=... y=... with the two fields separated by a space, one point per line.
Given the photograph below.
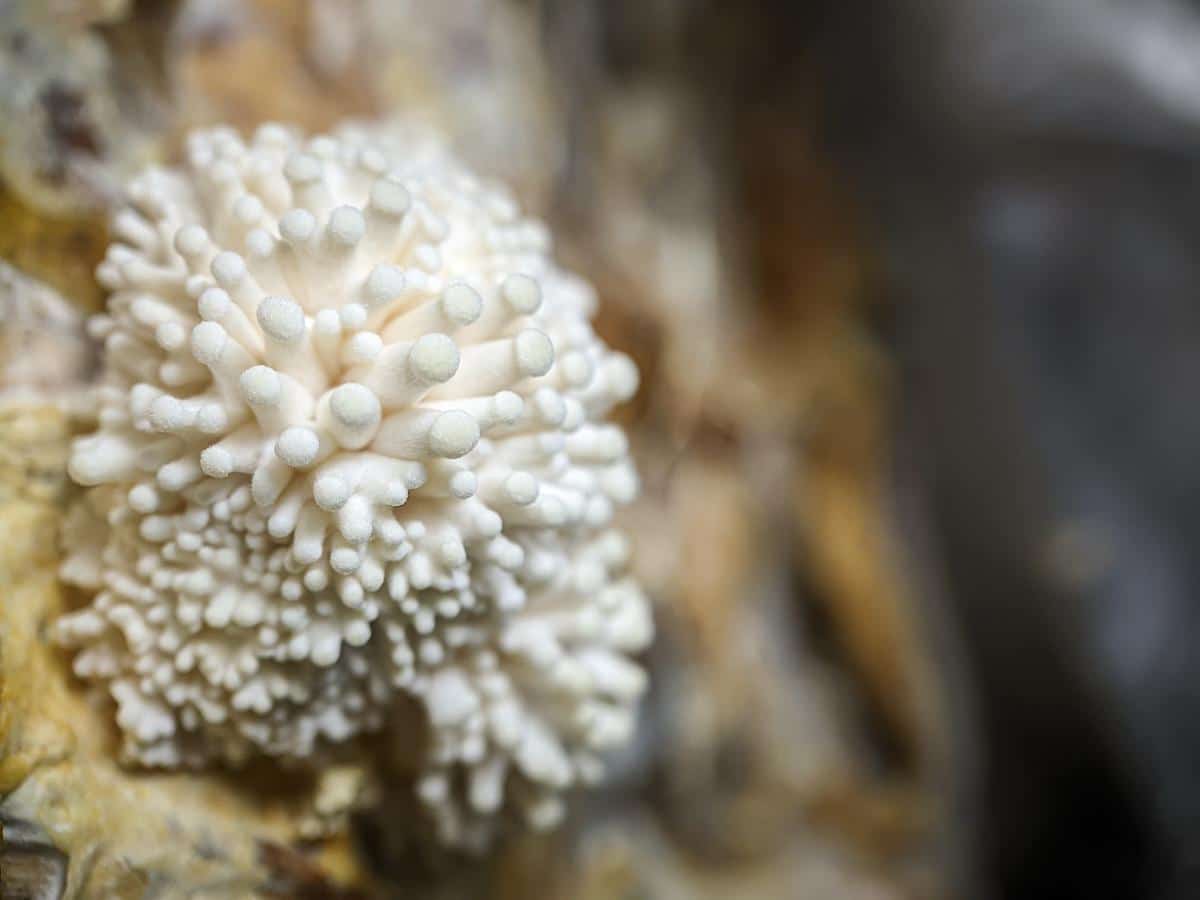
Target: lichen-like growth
x=351 y=449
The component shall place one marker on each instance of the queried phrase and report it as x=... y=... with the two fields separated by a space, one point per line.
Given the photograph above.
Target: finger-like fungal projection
x=352 y=451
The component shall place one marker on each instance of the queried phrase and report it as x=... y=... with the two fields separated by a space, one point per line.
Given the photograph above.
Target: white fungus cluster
x=352 y=450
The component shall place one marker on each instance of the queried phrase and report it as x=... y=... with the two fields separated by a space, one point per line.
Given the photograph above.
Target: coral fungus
x=351 y=449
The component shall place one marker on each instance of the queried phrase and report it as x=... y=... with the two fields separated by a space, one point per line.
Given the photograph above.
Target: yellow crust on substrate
x=119 y=830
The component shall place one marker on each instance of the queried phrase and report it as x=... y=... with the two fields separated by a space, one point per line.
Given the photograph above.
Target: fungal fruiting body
x=351 y=449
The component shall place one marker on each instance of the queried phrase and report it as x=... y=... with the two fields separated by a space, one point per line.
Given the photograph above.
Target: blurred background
x=914 y=286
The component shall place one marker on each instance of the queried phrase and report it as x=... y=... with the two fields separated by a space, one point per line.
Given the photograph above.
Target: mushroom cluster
x=351 y=452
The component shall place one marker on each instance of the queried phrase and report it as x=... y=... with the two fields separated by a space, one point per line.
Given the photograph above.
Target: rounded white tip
x=463 y=484
x=306 y=552
x=279 y=526
x=395 y=494
x=302 y=168
x=281 y=319
x=326 y=650
x=454 y=433
x=355 y=523
x=354 y=406
x=434 y=358
x=357 y=633
x=228 y=268
x=550 y=406
x=362 y=348
x=522 y=293
x=576 y=368
x=390 y=197
x=384 y=284
x=143 y=498
x=272 y=133
x=298 y=446
x=535 y=352
x=297 y=226
x=331 y=492
x=213 y=304
x=261 y=386
x=217 y=462
x=508 y=406
x=208 y=342
x=346 y=226
x=327 y=322
x=259 y=243
x=373 y=161
x=191 y=240
x=247 y=209
x=622 y=375
x=170 y=335
x=86 y=469
x=352 y=316
x=344 y=560
x=223 y=172
x=453 y=554
x=521 y=488
x=461 y=304
x=574 y=414
x=621 y=484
